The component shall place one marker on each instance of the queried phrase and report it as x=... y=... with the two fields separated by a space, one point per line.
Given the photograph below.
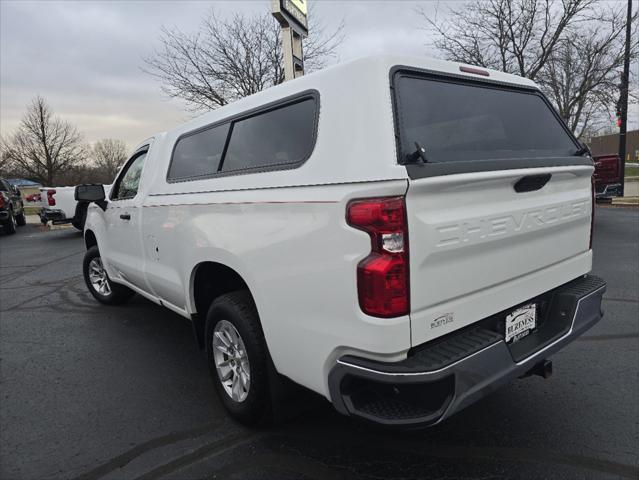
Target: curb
x=626 y=201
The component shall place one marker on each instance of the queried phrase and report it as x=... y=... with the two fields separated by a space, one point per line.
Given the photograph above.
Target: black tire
x=238 y=309
x=21 y=220
x=10 y=224
x=117 y=294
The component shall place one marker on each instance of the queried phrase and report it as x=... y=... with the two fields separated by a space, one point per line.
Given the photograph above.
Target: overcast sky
x=85 y=57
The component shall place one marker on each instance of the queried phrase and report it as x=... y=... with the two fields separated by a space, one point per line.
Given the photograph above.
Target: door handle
x=125 y=216
x=531 y=183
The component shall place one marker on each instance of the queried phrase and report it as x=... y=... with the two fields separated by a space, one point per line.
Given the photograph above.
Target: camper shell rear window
x=468 y=125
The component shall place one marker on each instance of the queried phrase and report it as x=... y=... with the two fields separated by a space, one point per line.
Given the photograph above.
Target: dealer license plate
x=521 y=322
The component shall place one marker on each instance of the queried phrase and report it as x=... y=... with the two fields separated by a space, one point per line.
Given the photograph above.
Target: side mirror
x=91 y=193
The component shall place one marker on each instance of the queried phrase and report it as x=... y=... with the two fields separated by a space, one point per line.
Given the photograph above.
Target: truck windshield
x=463 y=121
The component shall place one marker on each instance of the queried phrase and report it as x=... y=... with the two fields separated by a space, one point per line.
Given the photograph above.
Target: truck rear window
x=457 y=121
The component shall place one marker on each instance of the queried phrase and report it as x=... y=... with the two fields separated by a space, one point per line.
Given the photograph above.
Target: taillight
x=50 y=199
x=382 y=277
x=592 y=213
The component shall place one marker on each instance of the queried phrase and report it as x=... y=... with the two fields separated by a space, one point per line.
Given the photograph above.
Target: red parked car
x=607 y=176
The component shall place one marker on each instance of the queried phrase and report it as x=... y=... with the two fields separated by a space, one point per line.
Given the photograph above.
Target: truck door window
x=127 y=184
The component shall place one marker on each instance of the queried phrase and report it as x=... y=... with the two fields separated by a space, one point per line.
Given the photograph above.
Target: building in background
x=609 y=144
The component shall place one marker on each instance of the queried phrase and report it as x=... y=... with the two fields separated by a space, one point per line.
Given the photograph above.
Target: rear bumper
x=53 y=215
x=444 y=376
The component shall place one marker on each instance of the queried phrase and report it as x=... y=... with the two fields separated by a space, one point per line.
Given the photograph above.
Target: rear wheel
x=98 y=282
x=21 y=220
x=237 y=357
x=10 y=224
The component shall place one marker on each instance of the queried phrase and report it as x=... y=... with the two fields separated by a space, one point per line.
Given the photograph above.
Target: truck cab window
x=129 y=180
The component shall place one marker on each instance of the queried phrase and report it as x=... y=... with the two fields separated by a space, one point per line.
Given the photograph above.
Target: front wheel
x=237 y=357
x=98 y=282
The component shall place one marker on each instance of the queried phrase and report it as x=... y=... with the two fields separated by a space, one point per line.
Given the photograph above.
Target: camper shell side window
x=277 y=136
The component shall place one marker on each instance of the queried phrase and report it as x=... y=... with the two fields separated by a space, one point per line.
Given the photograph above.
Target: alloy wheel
x=231 y=361
x=98 y=277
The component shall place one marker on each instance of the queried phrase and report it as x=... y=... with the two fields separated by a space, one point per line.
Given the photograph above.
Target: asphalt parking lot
x=89 y=392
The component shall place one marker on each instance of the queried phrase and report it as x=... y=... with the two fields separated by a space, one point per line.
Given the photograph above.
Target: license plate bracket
x=520 y=322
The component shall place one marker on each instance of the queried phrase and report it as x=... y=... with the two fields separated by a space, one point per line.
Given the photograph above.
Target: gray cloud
x=85 y=57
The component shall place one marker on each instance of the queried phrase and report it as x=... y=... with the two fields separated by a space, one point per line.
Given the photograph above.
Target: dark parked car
x=607 y=176
x=11 y=207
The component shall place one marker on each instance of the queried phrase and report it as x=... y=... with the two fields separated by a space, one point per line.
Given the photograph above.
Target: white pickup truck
x=59 y=206
x=400 y=235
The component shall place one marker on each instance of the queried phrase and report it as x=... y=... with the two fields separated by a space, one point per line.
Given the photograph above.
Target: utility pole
x=624 y=100
x=292 y=17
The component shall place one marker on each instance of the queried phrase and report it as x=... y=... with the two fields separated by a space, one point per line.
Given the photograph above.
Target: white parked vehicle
x=59 y=206
x=400 y=235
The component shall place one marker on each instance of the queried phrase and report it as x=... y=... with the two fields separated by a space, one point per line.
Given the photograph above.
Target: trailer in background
x=607 y=176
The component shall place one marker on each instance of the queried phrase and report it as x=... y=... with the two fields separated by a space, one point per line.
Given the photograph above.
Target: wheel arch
x=208 y=281
x=90 y=240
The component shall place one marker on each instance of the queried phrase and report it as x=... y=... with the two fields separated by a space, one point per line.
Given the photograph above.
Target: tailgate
x=44 y=198
x=59 y=198
x=478 y=247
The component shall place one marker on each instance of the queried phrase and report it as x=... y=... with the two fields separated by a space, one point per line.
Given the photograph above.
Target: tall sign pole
x=292 y=16
x=624 y=100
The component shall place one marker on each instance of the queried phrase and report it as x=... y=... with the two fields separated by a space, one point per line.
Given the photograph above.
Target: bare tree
x=572 y=48
x=582 y=74
x=7 y=167
x=109 y=155
x=43 y=146
x=227 y=59
x=514 y=36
